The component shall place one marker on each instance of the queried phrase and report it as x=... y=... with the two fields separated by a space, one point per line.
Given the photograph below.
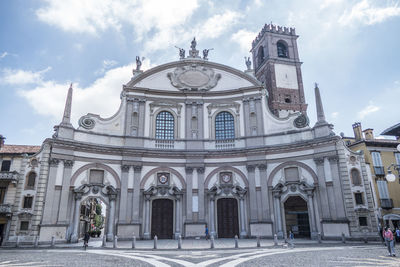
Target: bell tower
x=277 y=65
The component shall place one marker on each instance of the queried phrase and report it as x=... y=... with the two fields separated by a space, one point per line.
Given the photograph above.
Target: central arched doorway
x=162 y=219
x=92 y=218
x=296 y=215
x=227 y=213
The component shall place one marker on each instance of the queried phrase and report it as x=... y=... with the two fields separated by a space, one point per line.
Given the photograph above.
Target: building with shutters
x=196 y=143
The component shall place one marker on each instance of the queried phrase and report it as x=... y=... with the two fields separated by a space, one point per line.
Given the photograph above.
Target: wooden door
x=162 y=218
x=227 y=213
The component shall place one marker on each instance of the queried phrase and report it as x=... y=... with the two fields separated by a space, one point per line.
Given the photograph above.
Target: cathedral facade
x=196 y=143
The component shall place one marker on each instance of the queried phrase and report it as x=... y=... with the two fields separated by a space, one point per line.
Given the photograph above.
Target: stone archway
x=297 y=217
x=162 y=218
x=227 y=217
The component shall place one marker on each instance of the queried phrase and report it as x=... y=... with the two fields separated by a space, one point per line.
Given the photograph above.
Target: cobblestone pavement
x=302 y=255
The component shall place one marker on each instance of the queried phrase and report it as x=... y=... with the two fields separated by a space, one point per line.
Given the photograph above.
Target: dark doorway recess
x=296 y=215
x=162 y=218
x=228 y=223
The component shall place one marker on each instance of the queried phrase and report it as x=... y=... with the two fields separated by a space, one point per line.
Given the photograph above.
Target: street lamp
x=390 y=177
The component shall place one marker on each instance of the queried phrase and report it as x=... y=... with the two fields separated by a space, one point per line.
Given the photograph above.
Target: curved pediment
x=193 y=75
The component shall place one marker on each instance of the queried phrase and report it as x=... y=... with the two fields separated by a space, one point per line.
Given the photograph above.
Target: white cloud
x=334 y=115
x=371 y=108
x=244 y=38
x=364 y=12
x=48 y=97
x=107 y=63
x=21 y=77
x=3 y=55
x=218 y=24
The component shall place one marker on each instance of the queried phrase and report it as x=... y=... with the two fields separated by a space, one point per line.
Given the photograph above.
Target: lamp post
x=390 y=177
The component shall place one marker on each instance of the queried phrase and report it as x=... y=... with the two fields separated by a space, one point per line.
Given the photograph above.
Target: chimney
x=2 y=138
x=357 y=131
x=369 y=134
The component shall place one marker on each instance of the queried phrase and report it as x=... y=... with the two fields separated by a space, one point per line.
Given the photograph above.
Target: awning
x=391 y=217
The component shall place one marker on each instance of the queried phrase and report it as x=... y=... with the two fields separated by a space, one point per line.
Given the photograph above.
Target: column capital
x=53 y=162
x=200 y=170
x=189 y=170
x=250 y=168
x=137 y=168
x=125 y=168
x=68 y=163
x=262 y=167
x=333 y=159
x=112 y=196
x=78 y=195
x=319 y=160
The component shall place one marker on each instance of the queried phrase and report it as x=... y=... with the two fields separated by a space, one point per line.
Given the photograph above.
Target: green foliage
x=98 y=221
x=98 y=209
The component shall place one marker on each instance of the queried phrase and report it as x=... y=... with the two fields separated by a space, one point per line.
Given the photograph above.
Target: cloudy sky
x=351 y=48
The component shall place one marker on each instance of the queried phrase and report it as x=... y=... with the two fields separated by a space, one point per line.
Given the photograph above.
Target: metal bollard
x=275 y=240
x=134 y=242
x=179 y=242
x=236 y=242
x=258 y=241
x=104 y=241
x=319 y=238
x=343 y=238
x=212 y=242
x=36 y=242
x=155 y=242
x=115 y=242
x=17 y=242
x=53 y=241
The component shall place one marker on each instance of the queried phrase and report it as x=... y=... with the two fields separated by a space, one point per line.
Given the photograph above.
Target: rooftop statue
x=193 y=44
x=248 y=63
x=138 y=63
x=181 y=52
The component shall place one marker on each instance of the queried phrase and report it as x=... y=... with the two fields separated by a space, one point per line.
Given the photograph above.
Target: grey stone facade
x=268 y=161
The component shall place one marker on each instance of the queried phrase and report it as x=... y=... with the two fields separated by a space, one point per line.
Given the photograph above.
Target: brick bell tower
x=277 y=65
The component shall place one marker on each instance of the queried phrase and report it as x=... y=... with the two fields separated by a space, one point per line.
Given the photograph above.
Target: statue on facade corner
x=205 y=53
x=138 y=63
x=248 y=63
x=181 y=52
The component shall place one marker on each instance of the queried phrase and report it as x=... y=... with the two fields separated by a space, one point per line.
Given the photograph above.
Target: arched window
x=260 y=55
x=30 y=183
x=355 y=177
x=165 y=125
x=224 y=126
x=282 y=49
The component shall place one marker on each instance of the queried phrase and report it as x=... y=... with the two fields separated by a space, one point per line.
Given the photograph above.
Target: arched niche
x=238 y=175
x=111 y=171
x=146 y=181
x=273 y=179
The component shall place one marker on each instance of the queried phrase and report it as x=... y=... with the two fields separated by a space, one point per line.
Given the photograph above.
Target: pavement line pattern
x=31 y=263
x=149 y=260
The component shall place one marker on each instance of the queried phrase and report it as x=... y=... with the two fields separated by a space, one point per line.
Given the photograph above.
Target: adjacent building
x=381 y=156
x=196 y=143
x=18 y=185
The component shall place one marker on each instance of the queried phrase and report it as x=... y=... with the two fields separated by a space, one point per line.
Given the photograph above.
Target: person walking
x=397 y=234
x=206 y=232
x=389 y=240
x=86 y=240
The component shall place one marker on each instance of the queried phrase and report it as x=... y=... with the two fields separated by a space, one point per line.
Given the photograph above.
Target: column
x=111 y=217
x=49 y=200
x=200 y=184
x=75 y=229
x=136 y=193
x=312 y=214
x=178 y=216
x=146 y=234
x=63 y=208
x=252 y=192
x=322 y=188
x=243 y=232
x=266 y=216
x=337 y=188
x=124 y=193
x=278 y=217
x=189 y=192
x=212 y=221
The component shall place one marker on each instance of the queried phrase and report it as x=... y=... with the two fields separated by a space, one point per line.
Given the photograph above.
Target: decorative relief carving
x=87 y=122
x=53 y=162
x=68 y=163
x=194 y=77
x=301 y=121
x=177 y=106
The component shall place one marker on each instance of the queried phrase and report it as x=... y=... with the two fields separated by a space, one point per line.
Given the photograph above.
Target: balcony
x=9 y=176
x=5 y=209
x=387 y=203
x=379 y=170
